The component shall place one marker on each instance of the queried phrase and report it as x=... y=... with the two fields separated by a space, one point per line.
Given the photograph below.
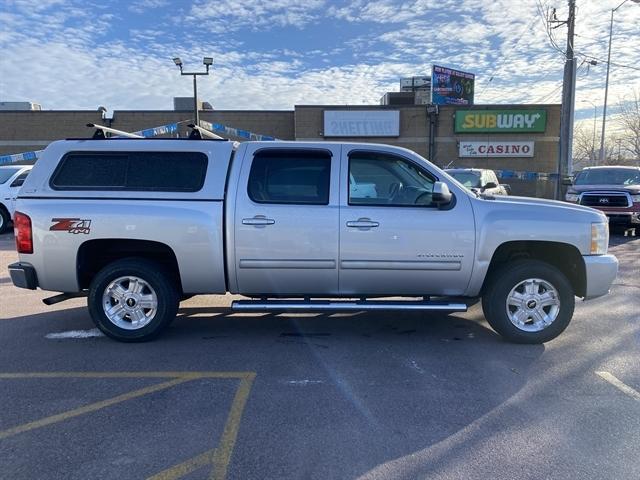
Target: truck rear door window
x=299 y=177
x=134 y=171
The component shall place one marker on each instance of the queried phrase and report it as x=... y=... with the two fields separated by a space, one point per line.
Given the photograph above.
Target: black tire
x=4 y=219
x=158 y=281
x=504 y=279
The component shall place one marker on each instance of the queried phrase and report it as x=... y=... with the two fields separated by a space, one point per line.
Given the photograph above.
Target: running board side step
x=341 y=305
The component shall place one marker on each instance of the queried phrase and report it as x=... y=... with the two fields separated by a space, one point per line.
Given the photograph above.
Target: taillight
x=22 y=230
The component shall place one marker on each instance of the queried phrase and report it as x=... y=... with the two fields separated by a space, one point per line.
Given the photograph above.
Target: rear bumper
x=23 y=275
x=601 y=271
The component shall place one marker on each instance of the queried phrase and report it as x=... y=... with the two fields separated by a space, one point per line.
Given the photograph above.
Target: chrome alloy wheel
x=533 y=305
x=129 y=303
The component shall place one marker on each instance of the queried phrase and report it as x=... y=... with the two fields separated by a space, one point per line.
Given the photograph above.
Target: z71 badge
x=71 y=225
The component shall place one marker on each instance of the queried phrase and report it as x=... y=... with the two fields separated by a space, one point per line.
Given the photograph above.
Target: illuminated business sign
x=496 y=149
x=361 y=123
x=451 y=87
x=479 y=121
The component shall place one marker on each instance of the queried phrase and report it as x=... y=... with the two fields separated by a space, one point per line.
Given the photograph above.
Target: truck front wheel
x=132 y=300
x=528 y=301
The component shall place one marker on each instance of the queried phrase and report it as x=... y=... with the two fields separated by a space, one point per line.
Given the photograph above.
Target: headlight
x=635 y=198
x=571 y=197
x=599 y=238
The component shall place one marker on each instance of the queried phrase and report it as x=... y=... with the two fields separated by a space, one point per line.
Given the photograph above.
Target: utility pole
x=565 y=167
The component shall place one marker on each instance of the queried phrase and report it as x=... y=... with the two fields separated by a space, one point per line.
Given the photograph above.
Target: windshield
x=468 y=179
x=6 y=173
x=608 y=176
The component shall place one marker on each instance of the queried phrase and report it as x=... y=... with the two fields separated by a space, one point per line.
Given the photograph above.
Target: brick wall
x=24 y=131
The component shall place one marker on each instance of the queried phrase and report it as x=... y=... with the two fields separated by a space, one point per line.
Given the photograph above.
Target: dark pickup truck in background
x=615 y=190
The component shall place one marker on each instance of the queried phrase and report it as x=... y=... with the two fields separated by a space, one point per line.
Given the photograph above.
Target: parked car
x=614 y=190
x=479 y=180
x=138 y=224
x=11 y=179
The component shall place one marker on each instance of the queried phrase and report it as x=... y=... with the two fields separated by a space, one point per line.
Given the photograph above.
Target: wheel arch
x=94 y=255
x=5 y=209
x=565 y=257
x=7 y=217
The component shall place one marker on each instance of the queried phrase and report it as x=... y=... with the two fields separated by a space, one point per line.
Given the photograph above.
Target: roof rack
x=101 y=132
x=197 y=133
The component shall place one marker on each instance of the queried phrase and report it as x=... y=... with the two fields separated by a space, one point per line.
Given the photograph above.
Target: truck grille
x=605 y=200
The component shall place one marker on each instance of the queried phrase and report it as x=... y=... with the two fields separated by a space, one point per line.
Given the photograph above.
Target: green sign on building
x=479 y=121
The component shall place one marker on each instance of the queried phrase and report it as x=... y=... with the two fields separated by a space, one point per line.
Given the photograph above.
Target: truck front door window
x=386 y=180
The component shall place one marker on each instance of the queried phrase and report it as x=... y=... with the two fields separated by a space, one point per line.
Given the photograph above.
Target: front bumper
x=23 y=275
x=601 y=271
x=627 y=218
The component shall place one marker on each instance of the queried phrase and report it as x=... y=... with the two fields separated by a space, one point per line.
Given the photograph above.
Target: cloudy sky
x=78 y=54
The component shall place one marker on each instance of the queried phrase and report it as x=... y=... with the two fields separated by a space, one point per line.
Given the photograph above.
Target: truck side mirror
x=567 y=181
x=489 y=185
x=441 y=194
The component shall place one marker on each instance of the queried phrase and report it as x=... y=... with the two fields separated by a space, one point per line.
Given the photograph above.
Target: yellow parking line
x=43 y=422
x=623 y=387
x=220 y=457
x=227 y=442
x=185 y=468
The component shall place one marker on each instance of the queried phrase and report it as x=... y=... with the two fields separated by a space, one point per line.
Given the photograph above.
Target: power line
x=548 y=28
x=605 y=62
x=558 y=86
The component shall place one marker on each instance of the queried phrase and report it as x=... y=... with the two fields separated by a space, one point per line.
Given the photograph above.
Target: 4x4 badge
x=71 y=225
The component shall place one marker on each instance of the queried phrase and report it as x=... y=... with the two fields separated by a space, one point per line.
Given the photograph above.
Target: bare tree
x=629 y=122
x=584 y=149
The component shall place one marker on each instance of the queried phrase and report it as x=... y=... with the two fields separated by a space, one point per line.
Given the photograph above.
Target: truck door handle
x=258 y=220
x=362 y=223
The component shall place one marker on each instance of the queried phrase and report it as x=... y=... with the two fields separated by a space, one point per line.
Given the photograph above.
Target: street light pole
x=196 y=113
x=606 y=85
x=207 y=61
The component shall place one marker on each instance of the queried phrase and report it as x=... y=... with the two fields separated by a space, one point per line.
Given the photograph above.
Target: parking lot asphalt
x=365 y=395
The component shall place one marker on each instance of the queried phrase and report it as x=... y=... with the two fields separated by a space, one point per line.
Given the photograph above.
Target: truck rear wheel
x=528 y=301
x=132 y=300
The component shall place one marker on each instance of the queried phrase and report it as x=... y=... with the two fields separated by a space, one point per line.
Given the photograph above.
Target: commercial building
x=519 y=141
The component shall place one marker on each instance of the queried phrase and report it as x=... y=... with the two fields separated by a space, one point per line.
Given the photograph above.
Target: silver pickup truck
x=139 y=225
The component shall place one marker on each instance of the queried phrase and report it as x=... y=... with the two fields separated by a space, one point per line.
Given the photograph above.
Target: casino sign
x=496 y=149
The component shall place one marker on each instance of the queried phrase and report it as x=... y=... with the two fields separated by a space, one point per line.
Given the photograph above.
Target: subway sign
x=502 y=121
